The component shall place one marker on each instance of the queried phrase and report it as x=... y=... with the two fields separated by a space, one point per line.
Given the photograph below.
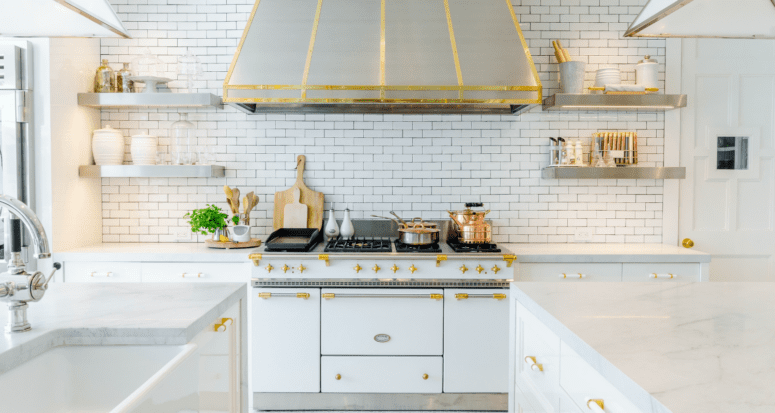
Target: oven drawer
x=380 y=374
x=383 y=321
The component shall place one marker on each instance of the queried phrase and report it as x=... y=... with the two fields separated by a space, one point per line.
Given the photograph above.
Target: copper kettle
x=472 y=228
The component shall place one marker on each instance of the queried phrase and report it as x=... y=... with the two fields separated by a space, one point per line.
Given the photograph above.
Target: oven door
x=382 y=322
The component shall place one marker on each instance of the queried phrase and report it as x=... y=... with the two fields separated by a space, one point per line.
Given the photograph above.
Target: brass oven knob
x=495 y=269
x=412 y=268
x=285 y=268
x=479 y=269
x=425 y=377
x=376 y=268
x=269 y=268
x=357 y=268
x=338 y=377
x=394 y=268
x=464 y=268
x=302 y=268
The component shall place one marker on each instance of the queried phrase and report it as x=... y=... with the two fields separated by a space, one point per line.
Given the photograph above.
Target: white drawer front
x=381 y=374
x=569 y=272
x=582 y=382
x=286 y=340
x=381 y=322
x=538 y=361
x=476 y=341
x=195 y=272
x=656 y=272
x=82 y=271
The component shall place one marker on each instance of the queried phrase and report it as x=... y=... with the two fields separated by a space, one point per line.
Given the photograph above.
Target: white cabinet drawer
x=476 y=341
x=538 y=361
x=195 y=272
x=84 y=271
x=570 y=272
x=581 y=382
x=381 y=374
x=655 y=272
x=382 y=322
x=286 y=340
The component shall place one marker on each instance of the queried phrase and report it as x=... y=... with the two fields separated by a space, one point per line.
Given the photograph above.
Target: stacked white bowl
x=608 y=76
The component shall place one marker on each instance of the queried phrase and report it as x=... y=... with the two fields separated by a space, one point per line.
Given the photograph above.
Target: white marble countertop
x=198 y=252
x=154 y=252
x=117 y=313
x=588 y=252
x=680 y=348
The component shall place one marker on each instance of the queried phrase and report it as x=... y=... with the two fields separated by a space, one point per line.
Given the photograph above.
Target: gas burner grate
x=431 y=248
x=461 y=247
x=359 y=245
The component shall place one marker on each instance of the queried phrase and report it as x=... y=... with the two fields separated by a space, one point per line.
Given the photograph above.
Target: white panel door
x=476 y=341
x=727 y=201
x=286 y=340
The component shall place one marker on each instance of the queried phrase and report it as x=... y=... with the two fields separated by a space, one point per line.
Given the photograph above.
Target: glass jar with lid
x=183 y=142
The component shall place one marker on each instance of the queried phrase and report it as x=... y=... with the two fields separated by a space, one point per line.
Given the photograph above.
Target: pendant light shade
x=735 y=19
x=60 y=18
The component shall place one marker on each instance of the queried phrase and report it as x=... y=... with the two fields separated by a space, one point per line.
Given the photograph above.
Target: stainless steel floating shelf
x=151 y=171
x=635 y=103
x=623 y=172
x=147 y=100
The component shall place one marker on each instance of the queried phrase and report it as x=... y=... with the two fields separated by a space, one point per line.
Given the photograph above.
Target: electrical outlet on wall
x=183 y=234
x=583 y=235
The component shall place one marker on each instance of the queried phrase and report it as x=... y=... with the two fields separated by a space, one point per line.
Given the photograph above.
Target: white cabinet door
x=569 y=272
x=359 y=374
x=382 y=321
x=286 y=340
x=195 y=272
x=476 y=341
x=219 y=363
x=82 y=271
x=658 y=272
x=537 y=361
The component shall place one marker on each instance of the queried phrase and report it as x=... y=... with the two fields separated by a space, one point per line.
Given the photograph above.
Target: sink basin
x=112 y=379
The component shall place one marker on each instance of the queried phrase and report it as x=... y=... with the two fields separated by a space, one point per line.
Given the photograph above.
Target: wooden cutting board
x=295 y=214
x=313 y=200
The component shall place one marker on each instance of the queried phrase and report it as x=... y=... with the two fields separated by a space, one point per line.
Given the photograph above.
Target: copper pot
x=471 y=225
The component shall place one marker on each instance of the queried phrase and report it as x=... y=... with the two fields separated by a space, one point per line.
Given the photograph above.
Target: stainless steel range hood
x=385 y=56
x=60 y=18
x=738 y=19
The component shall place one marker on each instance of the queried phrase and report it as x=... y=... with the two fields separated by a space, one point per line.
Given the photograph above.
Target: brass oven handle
x=293 y=295
x=328 y=296
x=463 y=296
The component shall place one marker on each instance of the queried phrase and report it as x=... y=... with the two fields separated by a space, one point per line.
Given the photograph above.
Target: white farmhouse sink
x=114 y=379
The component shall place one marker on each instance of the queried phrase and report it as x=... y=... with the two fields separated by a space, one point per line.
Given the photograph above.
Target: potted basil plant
x=210 y=220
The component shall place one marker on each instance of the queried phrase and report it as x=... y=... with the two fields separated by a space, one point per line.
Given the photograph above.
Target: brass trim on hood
x=450 y=105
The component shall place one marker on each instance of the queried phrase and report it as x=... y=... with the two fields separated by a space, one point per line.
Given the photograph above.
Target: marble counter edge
x=48 y=340
x=641 y=398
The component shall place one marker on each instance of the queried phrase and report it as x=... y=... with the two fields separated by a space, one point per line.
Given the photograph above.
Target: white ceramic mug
x=240 y=233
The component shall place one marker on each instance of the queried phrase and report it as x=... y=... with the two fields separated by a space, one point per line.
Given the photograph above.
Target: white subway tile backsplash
x=374 y=163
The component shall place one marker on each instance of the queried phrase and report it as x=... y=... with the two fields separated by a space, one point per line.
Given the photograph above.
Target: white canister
x=144 y=150
x=107 y=146
x=647 y=73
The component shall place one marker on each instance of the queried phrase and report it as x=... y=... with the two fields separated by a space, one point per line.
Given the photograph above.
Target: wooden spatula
x=295 y=213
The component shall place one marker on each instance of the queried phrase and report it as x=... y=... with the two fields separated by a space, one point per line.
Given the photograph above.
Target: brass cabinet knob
x=357 y=268
x=285 y=268
x=412 y=268
x=495 y=269
x=376 y=268
x=302 y=268
x=479 y=269
x=687 y=243
x=425 y=377
x=338 y=377
x=269 y=268
x=394 y=268
x=464 y=268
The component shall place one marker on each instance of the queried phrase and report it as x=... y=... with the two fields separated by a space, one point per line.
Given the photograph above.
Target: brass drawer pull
x=596 y=405
x=655 y=275
x=464 y=296
x=531 y=361
x=338 y=377
x=295 y=295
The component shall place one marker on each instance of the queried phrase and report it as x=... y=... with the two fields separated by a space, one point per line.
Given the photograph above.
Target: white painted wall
x=415 y=165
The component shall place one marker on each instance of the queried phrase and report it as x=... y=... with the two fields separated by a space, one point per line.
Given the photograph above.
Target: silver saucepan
x=416 y=233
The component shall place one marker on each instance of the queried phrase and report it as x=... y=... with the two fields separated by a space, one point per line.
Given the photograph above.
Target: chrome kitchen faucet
x=17 y=287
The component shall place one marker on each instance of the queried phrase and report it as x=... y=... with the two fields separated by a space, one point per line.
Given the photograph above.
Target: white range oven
x=358 y=329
